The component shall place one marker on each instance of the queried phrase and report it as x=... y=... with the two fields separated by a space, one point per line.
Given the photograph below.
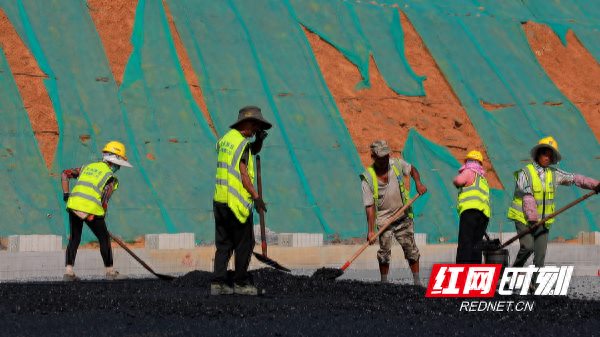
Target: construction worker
x=384 y=194
x=87 y=202
x=233 y=199
x=473 y=206
x=534 y=198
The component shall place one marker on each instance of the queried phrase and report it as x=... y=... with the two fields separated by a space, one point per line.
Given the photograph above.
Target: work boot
x=247 y=289
x=69 y=277
x=115 y=275
x=532 y=288
x=217 y=289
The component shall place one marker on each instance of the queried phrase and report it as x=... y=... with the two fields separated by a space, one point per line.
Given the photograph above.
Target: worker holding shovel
x=233 y=199
x=87 y=202
x=534 y=198
x=384 y=193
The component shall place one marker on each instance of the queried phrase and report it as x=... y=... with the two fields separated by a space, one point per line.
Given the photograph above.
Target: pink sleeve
x=585 y=182
x=530 y=208
x=465 y=178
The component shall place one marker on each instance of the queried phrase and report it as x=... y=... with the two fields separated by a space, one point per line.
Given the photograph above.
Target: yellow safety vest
x=229 y=188
x=371 y=178
x=543 y=195
x=86 y=195
x=475 y=196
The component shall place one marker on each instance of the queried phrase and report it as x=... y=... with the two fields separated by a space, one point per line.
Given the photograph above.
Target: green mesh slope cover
x=435 y=211
x=358 y=30
x=29 y=204
x=256 y=53
x=173 y=143
x=579 y=15
x=64 y=42
x=335 y=22
x=487 y=59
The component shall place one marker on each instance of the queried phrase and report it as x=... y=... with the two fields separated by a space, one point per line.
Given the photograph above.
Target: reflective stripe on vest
x=371 y=178
x=229 y=188
x=543 y=195
x=86 y=195
x=475 y=196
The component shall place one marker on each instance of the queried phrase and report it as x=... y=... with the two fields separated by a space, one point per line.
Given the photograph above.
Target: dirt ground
x=369 y=114
x=292 y=306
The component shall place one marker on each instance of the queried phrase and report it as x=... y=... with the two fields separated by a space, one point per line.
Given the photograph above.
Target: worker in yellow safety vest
x=473 y=206
x=87 y=202
x=384 y=193
x=233 y=200
x=534 y=198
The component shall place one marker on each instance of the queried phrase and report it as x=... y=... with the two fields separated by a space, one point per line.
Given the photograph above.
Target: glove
x=66 y=196
x=597 y=188
x=261 y=135
x=260 y=204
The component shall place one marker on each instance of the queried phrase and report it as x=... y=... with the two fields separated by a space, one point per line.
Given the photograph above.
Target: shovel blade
x=269 y=262
x=165 y=277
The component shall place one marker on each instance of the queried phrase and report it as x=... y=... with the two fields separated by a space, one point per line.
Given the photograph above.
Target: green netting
x=435 y=211
x=29 y=204
x=579 y=15
x=487 y=59
x=358 y=30
x=64 y=41
x=173 y=145
x=256 y=53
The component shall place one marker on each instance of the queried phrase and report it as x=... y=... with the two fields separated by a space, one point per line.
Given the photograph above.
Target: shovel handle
x=124 y=246
x=261 y=212
x=395 y=216
x=533 y=227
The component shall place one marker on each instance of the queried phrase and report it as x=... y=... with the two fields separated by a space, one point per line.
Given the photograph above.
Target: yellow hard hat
x=475 y=155
x=548 y=142
x=114 y=152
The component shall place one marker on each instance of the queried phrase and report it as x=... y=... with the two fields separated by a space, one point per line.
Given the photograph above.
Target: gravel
x=294 y=305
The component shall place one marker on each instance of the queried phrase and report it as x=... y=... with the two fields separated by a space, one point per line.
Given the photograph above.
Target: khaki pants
x=404 y=232
x=534 y=243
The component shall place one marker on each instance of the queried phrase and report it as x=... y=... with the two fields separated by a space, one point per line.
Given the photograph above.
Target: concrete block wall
x=170 y=241
x=270 y=236
x=300 y=239
x=34 y=243
x=589 y=238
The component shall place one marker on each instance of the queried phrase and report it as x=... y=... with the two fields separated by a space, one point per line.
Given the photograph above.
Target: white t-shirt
x=389 y=198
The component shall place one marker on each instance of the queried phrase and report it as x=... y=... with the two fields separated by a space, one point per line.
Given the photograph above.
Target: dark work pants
x=98 y=227
x=472 y=227
x=232 y=236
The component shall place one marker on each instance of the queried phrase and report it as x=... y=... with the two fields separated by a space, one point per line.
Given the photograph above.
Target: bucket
x=498 y=256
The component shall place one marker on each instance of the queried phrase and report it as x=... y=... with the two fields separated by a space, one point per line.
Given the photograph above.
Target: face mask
x=114 y=168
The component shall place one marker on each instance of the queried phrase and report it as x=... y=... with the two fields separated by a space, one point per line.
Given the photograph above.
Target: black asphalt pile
x=327 y=273
x=293 y=306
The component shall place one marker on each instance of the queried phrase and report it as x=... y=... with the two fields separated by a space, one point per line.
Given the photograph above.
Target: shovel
x=533 y=227
x=124 y=246
x=326 y=273
x=263 y=240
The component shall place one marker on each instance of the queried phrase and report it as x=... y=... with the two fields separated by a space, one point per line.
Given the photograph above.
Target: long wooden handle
x=532 y=228
x=261 y=212
x=391 y=220
x=124 y=246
